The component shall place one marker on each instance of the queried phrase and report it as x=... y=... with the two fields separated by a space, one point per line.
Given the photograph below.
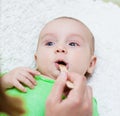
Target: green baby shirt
x=35 y=99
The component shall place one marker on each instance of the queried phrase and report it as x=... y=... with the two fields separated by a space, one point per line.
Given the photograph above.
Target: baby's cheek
x=80 y=69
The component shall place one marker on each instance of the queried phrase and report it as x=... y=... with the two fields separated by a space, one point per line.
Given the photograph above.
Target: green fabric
x=35 y=99
x=95 y=107
x=2 y=74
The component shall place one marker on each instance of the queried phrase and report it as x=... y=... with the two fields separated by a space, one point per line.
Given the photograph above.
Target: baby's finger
x=29 y=77
x=26 y=81
x=33 y=72
x=19 y=86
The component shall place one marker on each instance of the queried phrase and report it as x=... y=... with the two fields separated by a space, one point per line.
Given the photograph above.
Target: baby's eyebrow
x=77 y=35
x=47 y=34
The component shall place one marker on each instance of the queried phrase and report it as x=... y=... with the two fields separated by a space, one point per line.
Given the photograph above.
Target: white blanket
x=22 y=20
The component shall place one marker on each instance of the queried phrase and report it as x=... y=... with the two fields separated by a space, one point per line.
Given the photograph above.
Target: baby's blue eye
x=73 y=44
x=49 y=43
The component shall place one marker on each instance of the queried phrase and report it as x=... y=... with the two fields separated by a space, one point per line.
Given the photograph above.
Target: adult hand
x=78 y=101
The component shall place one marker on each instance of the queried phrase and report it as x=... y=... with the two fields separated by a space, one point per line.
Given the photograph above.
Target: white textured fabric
x=22 y=20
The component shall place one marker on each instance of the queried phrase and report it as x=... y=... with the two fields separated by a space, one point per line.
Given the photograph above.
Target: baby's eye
x=50 y=43
x=73 y=44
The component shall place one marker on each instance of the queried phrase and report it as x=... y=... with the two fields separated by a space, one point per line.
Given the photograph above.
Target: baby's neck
x=46 y=76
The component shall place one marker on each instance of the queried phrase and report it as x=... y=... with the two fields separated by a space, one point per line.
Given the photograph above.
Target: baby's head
x=65 y=41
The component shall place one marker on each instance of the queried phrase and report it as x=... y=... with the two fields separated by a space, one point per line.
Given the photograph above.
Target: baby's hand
x=19 y=77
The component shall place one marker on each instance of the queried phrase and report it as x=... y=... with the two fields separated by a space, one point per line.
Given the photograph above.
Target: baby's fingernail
x=32 y=87
x=24 y=90
x=34 y=83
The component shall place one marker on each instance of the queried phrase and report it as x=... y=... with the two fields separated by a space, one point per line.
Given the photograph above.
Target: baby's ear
x=92 y=64
x=35 y=57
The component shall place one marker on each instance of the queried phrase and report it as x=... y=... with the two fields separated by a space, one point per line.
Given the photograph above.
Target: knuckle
x=87 y=107
x=15 y=83
x=28 y=76
x=75 y=103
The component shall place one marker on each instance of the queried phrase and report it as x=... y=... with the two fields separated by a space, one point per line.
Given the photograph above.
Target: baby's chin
x=54 y=75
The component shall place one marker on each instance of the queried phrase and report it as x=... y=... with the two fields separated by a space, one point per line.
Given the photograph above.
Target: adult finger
x=87 y=101
x=58 y=88
x=79 y=83
x=90 y=95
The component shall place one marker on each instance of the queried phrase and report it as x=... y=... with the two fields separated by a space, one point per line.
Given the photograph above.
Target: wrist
x=2 y=80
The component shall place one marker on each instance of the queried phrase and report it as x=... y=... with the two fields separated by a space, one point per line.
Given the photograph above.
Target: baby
x=63 y=41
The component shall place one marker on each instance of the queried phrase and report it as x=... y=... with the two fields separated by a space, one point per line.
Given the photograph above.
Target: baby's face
x=64 y=41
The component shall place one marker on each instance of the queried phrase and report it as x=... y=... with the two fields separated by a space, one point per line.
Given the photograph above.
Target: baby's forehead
x=58 y=22
x=64 y=21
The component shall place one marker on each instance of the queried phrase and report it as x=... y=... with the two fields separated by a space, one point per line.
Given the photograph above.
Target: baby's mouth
x=61 y=62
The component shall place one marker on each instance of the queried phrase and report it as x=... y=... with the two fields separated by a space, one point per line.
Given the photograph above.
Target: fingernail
x=35 y=83
x=25 y=90
x=32 y=87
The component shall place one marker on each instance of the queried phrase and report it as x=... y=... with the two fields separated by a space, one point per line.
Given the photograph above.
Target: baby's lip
x=61 y=62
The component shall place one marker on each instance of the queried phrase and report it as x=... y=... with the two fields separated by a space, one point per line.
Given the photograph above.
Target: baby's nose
x=61 y=50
